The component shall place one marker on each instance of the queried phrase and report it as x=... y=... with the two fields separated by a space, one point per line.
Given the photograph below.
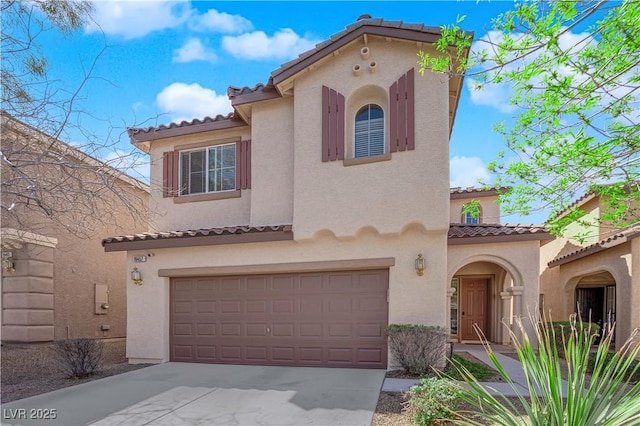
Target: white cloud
x=193 y=50
x=220 y=22
x=284 y=44
x=491 y=94
x=132 y=19
x=497 y=95
x=467 y=171
x=188 y=101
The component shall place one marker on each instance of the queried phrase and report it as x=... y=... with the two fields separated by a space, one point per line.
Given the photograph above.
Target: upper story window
x=211 y=169
x=369 y=131
x=472 y=217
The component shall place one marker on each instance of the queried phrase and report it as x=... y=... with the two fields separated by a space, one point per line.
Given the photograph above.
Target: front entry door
x=473 y=307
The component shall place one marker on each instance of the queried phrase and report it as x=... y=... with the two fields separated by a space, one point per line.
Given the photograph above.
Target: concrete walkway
x=511 y=366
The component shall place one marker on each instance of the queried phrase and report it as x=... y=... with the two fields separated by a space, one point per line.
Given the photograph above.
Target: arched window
x=369 y=131
x=472 y=218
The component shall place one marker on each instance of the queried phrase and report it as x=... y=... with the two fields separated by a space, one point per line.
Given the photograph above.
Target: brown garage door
x=333 y=319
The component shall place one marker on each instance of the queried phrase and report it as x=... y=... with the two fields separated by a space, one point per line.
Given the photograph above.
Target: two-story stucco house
x=293 y=230
x=597 y=276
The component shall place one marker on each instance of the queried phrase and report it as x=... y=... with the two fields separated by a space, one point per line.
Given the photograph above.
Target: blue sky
x=167 y=61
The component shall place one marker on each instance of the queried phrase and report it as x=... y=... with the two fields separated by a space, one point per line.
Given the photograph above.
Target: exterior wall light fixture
x=7 y=262
x=136 y=276
x=420 y=265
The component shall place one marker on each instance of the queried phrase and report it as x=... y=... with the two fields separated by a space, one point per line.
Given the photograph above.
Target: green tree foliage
x=573 y=73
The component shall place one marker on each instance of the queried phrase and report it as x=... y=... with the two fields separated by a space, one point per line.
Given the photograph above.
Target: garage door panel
x=231 y=306
x=256 y=330
x=311 y=306
x=205 y=306
x=206 y=329
x=257 y=306
x=283 y=284
x=231 y=353
x=313 y=319
x=283 y=306
x=182 y=306
x=310 y=330
x=205 y=353
x=311 y=283
x=231 y=329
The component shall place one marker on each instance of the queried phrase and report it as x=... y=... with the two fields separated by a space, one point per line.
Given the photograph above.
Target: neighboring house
x=597 y=276
x=57 y=282
x=293 y=230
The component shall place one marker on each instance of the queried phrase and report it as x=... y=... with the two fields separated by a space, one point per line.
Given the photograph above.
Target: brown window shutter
x=243 y=164
x=402 y=113
x=333 y=117
x=170 y=174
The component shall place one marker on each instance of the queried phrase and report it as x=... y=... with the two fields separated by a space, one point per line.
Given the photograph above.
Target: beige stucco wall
x=272 y=150
x=490 y=209
x=412 y=299
x=165 y=215
x=558 y=284
x=413 y=187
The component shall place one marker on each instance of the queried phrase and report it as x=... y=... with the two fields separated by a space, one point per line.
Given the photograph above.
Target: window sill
x=206 y=197
x=366 y=160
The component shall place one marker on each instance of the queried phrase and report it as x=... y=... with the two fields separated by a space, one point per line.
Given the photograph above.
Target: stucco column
x=517 y=292
x=505 y=337
x=27 y=292
x=450 y=292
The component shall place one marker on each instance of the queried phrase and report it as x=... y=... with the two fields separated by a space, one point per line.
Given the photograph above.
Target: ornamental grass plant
x=610 y=397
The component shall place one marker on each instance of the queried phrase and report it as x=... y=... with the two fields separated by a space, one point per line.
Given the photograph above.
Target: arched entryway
x=594 y=298
x=487 y=293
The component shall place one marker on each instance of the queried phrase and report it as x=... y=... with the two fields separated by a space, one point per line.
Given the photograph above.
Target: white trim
x=14 y=238
x=206 y=168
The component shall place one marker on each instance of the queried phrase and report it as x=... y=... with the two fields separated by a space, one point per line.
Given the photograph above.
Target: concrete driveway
x=189 y=394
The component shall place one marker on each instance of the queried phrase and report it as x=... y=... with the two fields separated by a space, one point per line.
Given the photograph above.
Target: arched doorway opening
x=486 y=294
x=595 y=298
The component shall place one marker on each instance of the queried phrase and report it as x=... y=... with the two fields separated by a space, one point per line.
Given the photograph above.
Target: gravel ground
x=30 y=369
x=391 y=410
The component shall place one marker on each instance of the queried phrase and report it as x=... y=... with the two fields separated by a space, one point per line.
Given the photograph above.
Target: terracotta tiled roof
x=196 y=237
x=468 y=234
x=233 y=91
x=162 y=131
x=459 y=192
x=410 y=31
x=611 y=241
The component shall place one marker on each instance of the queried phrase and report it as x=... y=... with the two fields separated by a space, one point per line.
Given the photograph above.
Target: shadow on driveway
x=183 y=394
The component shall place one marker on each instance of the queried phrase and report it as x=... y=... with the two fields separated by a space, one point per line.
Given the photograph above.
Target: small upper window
x=471 y=214
x=210 y=169
x=470 y=219
x=369 y=131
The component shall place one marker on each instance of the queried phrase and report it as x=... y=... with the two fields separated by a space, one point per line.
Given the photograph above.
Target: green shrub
x=479 y=370
x=608 y=398
x=562 y=329
x=418 y=349
x=433 y=399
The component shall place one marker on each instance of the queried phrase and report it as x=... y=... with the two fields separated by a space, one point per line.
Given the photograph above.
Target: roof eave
x=539 y=236
x=281 y=75
x=139 y=136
